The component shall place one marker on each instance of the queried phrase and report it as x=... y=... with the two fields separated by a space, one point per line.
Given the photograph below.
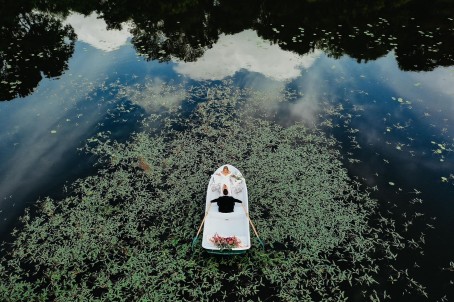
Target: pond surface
x=67 y=73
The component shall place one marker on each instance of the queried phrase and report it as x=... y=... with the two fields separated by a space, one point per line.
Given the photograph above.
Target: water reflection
x=93 y=30
x=363 y=31
x=155 y=95
x=41 y=134
x=34 y=43
x=393 y=121
x=246 y=50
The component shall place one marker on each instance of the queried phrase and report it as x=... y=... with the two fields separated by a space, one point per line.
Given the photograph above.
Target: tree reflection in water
x=360 y=30
x=33 y=43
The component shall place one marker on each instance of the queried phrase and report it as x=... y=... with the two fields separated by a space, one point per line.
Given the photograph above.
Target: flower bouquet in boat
x=225 y=243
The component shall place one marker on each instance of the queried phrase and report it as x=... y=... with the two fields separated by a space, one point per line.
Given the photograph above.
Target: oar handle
x=253 y=227
x=200 y=228
x=203 y=221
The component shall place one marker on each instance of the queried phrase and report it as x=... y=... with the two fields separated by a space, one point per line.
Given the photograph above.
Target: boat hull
x=227 y=224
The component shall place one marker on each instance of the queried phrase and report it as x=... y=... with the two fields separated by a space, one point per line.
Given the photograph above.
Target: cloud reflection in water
x=37 y=158
x=93 y=30
x=246 y=50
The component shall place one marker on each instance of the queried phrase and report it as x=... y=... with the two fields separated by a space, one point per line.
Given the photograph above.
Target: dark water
x=389 y=65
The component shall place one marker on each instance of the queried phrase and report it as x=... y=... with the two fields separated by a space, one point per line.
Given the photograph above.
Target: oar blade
x=194 y=242
x=261 y=243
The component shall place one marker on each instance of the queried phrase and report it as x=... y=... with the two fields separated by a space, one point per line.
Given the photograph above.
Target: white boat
x=234 y=224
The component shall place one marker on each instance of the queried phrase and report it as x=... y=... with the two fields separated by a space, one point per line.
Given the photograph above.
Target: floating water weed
x=124 y=234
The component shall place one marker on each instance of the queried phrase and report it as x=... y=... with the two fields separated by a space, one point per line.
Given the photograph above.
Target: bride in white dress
x=226 y=178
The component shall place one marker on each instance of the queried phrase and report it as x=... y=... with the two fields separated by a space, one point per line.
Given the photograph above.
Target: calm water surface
x=389 y=69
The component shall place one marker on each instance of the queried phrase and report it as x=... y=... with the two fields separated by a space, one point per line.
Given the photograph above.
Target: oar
x=200 y=227
x=253 y=227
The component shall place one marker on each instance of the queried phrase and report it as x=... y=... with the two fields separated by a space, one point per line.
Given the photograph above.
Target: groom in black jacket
x=226 y=203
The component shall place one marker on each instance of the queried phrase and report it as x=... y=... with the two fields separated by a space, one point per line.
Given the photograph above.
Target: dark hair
x=225 y=191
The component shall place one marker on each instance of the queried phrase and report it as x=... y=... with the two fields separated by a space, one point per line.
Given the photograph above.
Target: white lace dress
x=232 y=181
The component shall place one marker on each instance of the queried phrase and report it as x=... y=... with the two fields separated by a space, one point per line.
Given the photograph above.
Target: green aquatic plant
x=125 y=233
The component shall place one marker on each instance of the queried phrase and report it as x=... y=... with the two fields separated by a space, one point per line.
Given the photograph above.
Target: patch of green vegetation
x=125 y=233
